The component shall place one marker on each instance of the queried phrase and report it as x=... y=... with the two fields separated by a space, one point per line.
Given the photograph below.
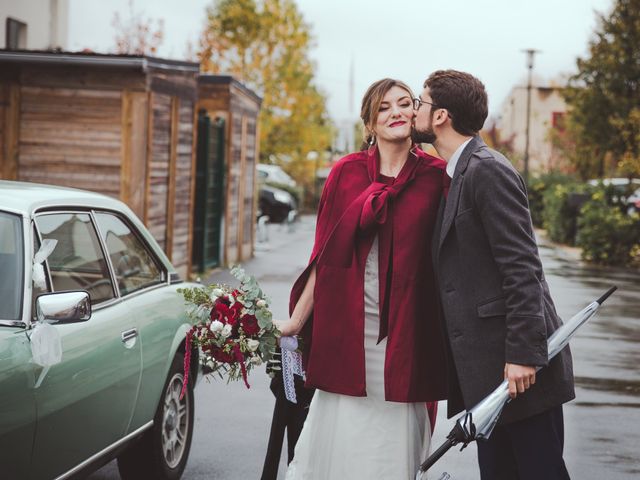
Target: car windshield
x=11 y=267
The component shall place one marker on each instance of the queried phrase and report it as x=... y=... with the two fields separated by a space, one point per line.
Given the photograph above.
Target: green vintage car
x=105 y=298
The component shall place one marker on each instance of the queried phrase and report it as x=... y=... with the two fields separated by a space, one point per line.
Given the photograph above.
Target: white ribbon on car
x=291 y=365
x=46 y=344
x=37 y=269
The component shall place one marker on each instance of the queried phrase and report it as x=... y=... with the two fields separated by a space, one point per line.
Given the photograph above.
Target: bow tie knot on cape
x=376 y=205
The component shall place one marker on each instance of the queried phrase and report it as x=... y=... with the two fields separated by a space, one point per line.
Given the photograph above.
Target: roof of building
x=142 y=62
x=213 y=79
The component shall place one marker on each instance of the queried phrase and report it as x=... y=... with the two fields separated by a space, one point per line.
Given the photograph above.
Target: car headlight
x=282 y=197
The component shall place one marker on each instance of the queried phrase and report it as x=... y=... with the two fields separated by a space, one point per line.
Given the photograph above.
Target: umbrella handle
x=435 y=456
x=606 y=295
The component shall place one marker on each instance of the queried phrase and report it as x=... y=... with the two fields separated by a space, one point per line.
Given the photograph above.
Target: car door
x=17 y=403
x=85 y=403
x=156 y=306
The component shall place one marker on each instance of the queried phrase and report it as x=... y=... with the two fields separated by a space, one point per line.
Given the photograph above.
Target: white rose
x=261 y=303
x=256 y=360
x=253 y=344
x=226 y=331
x=215 y=293
x=216 y=326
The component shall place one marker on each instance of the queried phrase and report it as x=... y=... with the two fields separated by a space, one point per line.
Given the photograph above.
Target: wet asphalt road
x=602 y=426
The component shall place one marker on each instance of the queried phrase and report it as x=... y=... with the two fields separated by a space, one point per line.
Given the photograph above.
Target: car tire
x=162 y=452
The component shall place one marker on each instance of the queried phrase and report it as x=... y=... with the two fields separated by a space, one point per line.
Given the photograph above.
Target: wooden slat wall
x=84 y=151
x=181 y=247
x=156 y=217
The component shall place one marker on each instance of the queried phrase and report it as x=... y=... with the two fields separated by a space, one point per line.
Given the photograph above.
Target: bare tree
x=137 y=34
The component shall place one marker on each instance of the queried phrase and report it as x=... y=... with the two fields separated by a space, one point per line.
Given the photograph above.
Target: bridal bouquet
x=233 y=331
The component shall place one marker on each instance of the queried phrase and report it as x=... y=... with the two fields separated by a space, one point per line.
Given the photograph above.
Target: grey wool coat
x=495 y=301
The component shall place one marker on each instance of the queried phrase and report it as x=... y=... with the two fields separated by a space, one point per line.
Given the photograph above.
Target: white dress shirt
x=453 y=161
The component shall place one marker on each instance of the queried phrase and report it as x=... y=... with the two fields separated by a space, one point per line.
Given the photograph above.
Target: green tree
x=603 y=127
x=265 y=44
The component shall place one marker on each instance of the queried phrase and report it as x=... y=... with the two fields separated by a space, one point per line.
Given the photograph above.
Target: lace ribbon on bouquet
x=291 y=365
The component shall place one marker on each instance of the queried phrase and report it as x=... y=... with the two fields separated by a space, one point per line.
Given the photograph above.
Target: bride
x=366 y=305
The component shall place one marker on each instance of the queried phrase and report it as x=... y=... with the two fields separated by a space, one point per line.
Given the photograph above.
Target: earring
x=372 y=140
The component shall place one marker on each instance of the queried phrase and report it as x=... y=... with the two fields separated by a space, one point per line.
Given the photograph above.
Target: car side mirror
x=64 y=307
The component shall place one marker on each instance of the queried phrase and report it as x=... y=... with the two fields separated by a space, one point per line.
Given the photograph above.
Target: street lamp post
x=530 y=54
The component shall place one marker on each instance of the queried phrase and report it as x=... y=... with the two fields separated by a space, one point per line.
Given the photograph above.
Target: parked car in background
x=274 y=174
x=277 y=204
x=105 y=298
x=625 y=192
x=633 y=202
x=622 y=187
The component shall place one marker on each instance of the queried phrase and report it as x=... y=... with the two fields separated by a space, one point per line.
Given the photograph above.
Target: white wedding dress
x=363 y=438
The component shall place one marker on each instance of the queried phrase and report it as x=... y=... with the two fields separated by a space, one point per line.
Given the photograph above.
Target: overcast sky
x=405 y=39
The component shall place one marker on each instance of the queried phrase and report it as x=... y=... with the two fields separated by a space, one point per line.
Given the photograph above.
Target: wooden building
x=119 y=125
x=228 y=143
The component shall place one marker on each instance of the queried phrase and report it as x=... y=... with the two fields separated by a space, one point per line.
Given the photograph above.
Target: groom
x=496 y=305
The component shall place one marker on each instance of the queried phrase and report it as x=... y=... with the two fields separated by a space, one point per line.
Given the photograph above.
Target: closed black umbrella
x=478 y=423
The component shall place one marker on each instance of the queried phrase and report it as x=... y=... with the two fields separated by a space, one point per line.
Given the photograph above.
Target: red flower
x=222 y=312
x=237 y=308
x=220 y=355
x=250 y=325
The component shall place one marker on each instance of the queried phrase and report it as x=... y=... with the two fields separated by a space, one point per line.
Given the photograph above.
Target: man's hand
x=520 y=378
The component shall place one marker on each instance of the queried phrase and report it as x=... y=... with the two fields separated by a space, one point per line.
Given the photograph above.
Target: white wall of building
x=512 y=123
x=46 y=20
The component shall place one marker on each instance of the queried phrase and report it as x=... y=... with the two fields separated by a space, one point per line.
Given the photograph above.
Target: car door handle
x=128 y=335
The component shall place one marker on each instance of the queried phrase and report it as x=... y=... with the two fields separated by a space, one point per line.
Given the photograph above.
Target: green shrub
x=606 y=235
x=560 y=212
x=536 y=188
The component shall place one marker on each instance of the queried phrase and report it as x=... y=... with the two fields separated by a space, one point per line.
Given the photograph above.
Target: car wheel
x=162 y=452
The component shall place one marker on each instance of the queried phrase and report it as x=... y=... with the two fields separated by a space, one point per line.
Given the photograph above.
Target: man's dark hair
x=463 y=95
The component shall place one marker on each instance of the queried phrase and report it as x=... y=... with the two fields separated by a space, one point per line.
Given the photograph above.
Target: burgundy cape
x=357 y=202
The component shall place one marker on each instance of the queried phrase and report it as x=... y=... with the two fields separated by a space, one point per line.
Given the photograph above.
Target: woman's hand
x=288 y=328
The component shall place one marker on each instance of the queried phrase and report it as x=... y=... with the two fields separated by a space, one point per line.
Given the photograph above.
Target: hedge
x=606 y=235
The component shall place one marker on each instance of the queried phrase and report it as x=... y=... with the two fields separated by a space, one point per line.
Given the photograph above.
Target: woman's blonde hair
x=371 y=104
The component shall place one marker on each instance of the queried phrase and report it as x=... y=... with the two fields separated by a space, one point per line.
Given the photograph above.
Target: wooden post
x=242 y=188
x=125 y=164
x=256 y=195
x=228 y=177
x=173 y=155
x=192 y=186
x=147 y=186
x=10 y=170
x=138 y=151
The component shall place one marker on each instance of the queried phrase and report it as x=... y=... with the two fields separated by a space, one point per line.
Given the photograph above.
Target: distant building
x=34 y=24
x=547 y=111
